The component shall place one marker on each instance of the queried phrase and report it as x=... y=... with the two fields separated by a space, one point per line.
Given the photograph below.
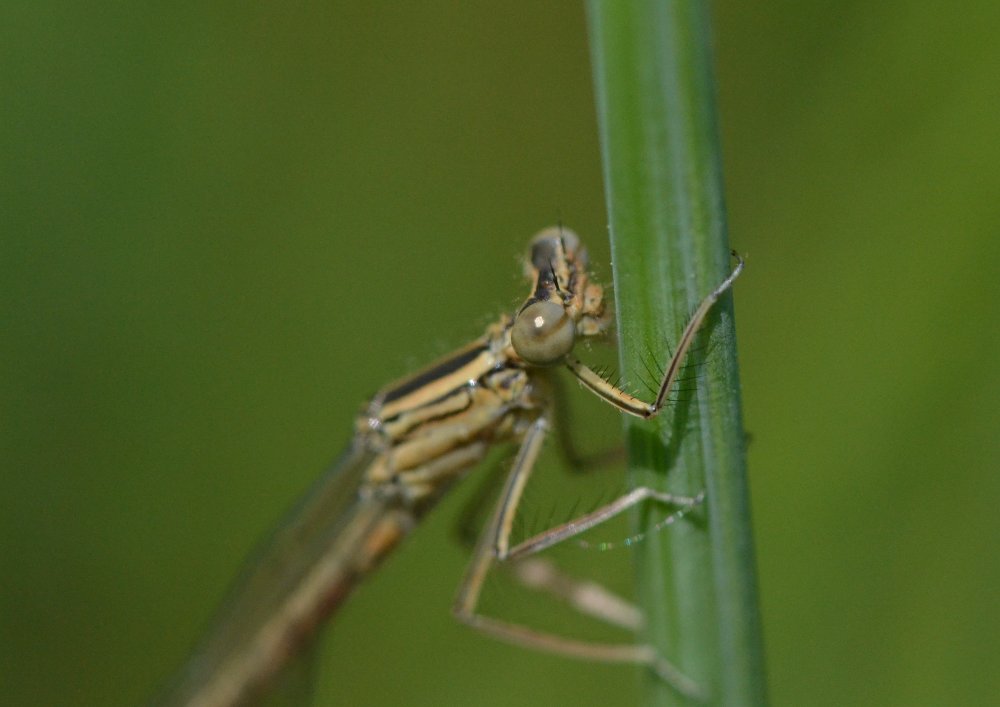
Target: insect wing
x=261 y=627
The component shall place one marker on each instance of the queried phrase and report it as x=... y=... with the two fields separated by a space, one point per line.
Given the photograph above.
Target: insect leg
x=493 y=545
x=578 y=461
x=572 y=528
x=632 y=405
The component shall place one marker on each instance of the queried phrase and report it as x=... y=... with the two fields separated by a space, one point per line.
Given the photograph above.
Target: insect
x=413 y=440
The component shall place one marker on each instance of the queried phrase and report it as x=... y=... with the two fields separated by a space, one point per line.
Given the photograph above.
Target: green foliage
x=661 y=163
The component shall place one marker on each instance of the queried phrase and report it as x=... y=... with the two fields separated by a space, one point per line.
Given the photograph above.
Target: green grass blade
x=653 y=80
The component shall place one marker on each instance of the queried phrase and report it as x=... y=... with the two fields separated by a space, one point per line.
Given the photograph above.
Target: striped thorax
x=432 y=426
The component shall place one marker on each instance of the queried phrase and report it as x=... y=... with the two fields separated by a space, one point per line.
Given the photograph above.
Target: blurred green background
x=225 y=225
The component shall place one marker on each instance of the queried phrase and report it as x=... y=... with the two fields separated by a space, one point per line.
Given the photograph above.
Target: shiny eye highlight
x=543 y=333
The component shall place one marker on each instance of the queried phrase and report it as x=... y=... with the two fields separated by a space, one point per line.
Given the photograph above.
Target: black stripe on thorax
x=436 y=371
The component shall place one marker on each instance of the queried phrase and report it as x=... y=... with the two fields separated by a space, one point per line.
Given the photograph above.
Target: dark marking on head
x=545 y=252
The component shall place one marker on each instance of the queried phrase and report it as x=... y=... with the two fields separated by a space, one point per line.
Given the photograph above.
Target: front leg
x=613 y=395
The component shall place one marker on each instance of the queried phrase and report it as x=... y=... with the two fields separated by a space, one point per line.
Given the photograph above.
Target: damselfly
x=412 y=442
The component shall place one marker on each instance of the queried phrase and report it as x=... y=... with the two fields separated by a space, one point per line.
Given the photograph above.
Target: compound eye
x=543 y=333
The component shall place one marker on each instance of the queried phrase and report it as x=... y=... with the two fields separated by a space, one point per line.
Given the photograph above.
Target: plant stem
x=655 y=99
